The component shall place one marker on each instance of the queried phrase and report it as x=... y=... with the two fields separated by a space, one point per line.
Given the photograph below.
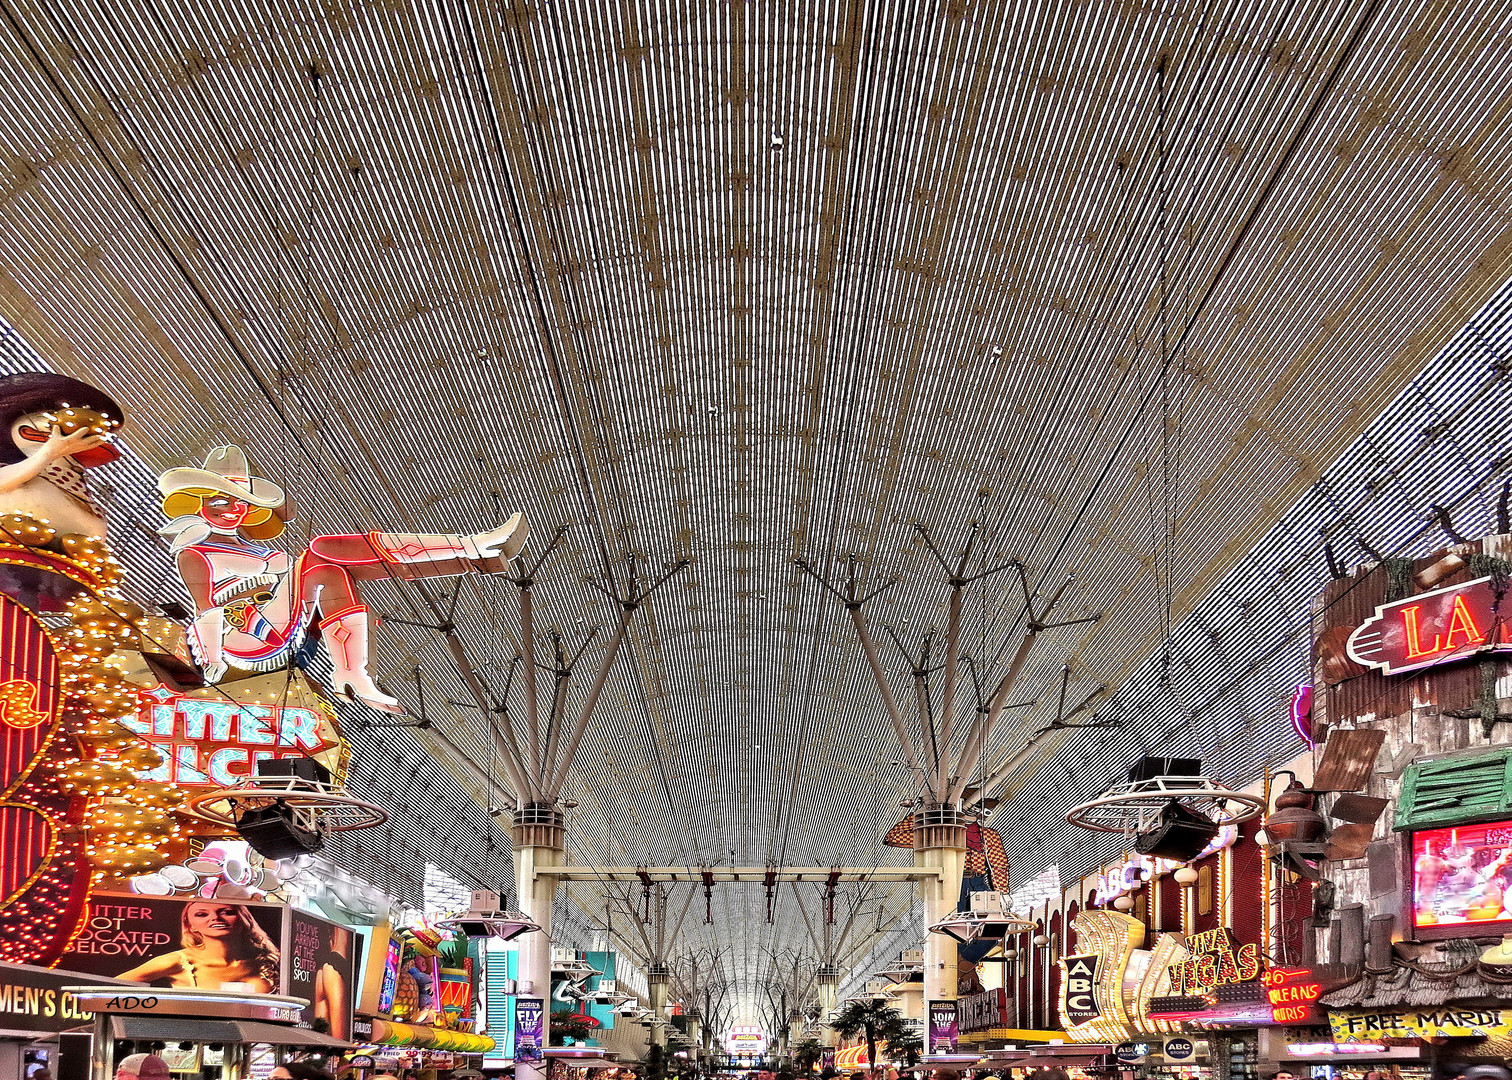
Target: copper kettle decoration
x=1294 y=818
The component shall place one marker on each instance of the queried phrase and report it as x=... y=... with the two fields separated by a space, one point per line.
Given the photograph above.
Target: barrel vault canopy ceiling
x=739 y=282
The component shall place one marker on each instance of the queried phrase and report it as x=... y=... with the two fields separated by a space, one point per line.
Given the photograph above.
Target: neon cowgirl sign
x=212 y=742
x=1430 y=628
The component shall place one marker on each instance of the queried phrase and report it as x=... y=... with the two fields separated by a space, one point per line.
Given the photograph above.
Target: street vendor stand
x=194 y=1020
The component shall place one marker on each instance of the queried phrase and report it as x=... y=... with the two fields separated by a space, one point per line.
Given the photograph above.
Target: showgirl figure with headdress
x=254 y=603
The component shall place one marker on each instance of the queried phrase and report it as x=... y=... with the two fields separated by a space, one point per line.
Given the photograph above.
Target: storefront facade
x=1411 y=670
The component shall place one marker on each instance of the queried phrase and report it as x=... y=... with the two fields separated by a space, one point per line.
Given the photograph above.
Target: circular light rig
x=1138 y=806
x=484 y=918
x=990 y=917
x=968 y=926
x=310 y=798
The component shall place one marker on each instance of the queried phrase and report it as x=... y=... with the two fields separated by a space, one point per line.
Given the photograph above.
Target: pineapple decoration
x=71 y=807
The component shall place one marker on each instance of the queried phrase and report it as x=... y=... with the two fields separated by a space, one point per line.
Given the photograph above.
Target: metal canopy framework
x=694 y=875
x=741 y=282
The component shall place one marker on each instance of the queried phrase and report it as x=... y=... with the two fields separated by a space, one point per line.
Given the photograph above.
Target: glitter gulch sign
x=213 y=742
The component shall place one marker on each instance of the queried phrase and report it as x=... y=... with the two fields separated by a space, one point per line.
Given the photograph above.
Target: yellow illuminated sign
x=1371 y=1025
x=1112 y=937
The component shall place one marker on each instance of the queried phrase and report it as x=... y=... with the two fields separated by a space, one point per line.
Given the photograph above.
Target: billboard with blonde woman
x=166 y=941
x=210 y=944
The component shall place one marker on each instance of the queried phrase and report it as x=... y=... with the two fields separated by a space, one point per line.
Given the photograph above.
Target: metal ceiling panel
x=742 y=282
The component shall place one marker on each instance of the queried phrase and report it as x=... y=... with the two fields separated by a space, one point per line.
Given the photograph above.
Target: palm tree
x=869 y=1017
x=807 y=1054
x=907 y=1047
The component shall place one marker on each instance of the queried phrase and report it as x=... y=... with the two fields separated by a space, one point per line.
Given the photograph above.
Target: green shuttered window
x=1456 y=789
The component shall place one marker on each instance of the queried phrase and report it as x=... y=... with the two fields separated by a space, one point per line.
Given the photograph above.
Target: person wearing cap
x=254 y=603
x=142 y=1067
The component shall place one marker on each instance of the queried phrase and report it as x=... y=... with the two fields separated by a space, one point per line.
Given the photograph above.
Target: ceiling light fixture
x=484 y=918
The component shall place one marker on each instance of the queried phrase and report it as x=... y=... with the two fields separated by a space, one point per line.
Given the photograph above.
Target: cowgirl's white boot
x=346 y=637
x=503 y=543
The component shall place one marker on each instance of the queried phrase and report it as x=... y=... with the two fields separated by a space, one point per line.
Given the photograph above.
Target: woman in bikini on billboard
x=223 y=949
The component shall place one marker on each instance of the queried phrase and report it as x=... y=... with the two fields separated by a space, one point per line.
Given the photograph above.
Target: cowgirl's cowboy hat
x=226 y=471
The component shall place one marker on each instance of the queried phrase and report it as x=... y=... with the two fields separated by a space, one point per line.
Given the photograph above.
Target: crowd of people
x=920 y=1072
x=152 y=1067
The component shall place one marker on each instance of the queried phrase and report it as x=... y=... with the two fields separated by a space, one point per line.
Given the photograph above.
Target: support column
x=828 y=980
x=538 y=842
x=657 y=978
x=940 y=843
x=793 y=1034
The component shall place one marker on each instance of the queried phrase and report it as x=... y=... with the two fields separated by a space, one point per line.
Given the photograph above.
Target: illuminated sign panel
x=1430 y=628
x=1081 y=985
x=746 y=1041
x=1372 y=1025
x=1460 y=876
x=1135 y=871
x=944 y=1027
x=1292 y=993
x=1216 y=960
x=35 y=999
x=1092 y=1005
x=213 y=742
x=982 y=1012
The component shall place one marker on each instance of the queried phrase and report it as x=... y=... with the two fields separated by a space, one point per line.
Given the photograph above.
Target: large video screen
x=1461 y=876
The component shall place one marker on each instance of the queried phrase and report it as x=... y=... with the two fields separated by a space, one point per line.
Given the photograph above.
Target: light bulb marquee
x=1116 y=989
x=70 y=805
x=1092 y=999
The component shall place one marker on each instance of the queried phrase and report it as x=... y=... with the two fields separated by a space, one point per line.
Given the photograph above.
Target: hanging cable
x=1167 y=499
x=645 y=880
